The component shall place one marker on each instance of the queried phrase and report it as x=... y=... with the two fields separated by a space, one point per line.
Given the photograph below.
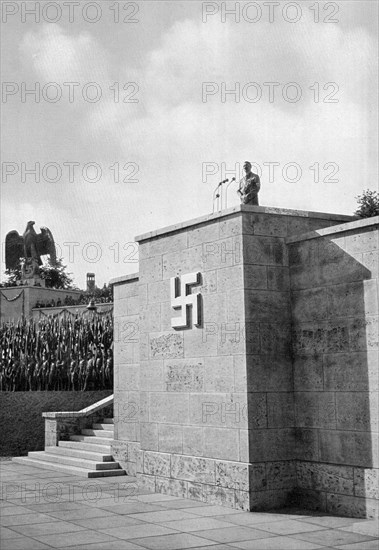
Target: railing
x=61 y=424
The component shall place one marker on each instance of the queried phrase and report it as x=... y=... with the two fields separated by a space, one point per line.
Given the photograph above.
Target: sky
x=140 y=108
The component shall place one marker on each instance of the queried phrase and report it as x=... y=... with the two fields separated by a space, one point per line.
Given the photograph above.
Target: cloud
x=171 y=131
x=57 y=56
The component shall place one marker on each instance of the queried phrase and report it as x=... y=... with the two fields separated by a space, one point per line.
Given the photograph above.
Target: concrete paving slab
x=85 y=513
x=116 y=545
x=76 y=539
x=133 y=508
x=287 y=527
x=153 y=497
x=233 y=534
x=212 y=510
x=368 y=545
x=332 y=521
x=54 y=506
x=329 y=537
x=15 y=511
x=25 y=543
x=252 y=519
x=197 y=524
x=55 y=527
x=277 y=543
x=364 y=527
x=25 y=519
x=179 y=541
x=184 y=503
x=6 y=534
x=216 y=547
x=139 y=531
x=104 y=503
x=108 y=522
x=164 y=516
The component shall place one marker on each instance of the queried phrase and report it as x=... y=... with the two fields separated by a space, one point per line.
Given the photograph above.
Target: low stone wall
x=18 y=301
x=22 y=427
x=43 y=312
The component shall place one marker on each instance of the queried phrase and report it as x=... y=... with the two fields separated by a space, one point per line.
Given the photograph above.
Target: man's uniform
x=248 y=188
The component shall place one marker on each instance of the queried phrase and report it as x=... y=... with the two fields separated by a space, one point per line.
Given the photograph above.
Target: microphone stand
x=218 y=195
x=226 y=192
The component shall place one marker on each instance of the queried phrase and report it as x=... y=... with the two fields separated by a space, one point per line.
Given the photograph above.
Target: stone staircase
x=88 y=454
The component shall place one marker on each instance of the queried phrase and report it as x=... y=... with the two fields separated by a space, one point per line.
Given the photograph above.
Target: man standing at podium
x=249 y=186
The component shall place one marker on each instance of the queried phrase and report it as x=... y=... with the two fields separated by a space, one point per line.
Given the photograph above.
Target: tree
x=369 y=204
x=55 y=276
x=104 y=294
x=13 y=275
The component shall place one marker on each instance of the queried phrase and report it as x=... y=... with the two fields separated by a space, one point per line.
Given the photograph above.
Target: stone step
x=88 y=454
x=99 y=433
x=72 y=461
x=79 y=453
x=103 y=426
x=67 y=469
x=92 y=439
x=90 y=446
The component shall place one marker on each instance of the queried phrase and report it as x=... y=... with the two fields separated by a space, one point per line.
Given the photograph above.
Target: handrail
x=82 y=413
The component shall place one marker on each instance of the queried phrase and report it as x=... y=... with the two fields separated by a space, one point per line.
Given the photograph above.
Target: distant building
x=91 y=282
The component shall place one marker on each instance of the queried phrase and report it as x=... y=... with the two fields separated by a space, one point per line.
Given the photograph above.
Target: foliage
x=368 y=204
x=13 y=276
x=104 y=294
x=55 y=276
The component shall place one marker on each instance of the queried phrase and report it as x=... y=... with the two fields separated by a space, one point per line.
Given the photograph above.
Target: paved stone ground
x=43 y=509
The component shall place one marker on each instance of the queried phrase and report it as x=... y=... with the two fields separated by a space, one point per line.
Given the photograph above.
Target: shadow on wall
x=335 y=353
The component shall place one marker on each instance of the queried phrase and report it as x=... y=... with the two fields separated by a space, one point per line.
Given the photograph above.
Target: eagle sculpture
x=29 y=245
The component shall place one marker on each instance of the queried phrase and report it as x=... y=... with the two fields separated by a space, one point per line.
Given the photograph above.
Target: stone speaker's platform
x=246 y=361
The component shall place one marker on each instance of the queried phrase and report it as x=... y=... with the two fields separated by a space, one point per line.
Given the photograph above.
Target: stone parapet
x=61 y=425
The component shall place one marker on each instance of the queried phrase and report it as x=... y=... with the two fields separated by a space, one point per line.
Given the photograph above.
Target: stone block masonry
x=334 y=295
x=252 y=409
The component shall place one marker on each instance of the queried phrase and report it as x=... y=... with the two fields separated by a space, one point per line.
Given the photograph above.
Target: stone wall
x=126 y=405
x=266 y=369
x=194 y=430
x=334 y=292
x=43 y=312
x=19 y=301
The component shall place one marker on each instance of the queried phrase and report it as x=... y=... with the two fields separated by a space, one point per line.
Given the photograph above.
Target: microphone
x=223 y=181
